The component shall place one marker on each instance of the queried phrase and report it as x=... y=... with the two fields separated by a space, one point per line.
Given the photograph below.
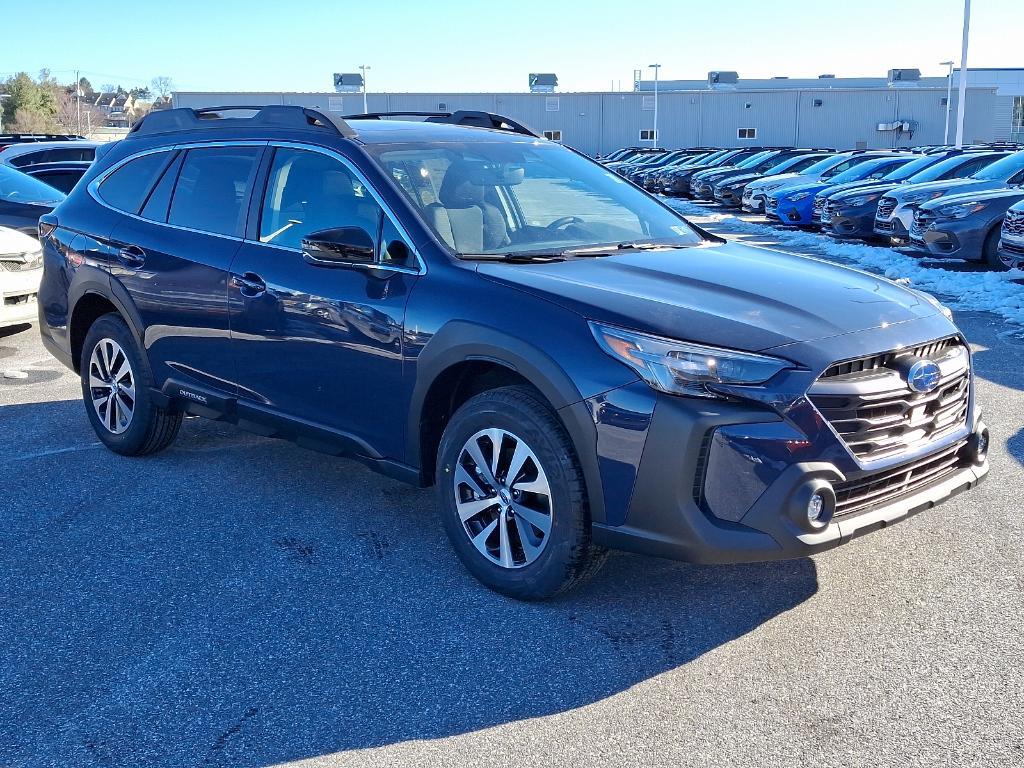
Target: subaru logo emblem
x=923 y=376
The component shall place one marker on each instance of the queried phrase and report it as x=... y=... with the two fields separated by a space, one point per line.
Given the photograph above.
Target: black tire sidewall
x=554 y=567
x=990 y=251
x=130 y=441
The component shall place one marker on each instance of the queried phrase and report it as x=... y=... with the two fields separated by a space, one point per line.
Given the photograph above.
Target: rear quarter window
x=126 y=188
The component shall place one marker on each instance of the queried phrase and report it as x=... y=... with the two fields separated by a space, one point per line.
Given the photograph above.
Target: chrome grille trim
x=870 y=406
x=1013 y=224
x=886 y=206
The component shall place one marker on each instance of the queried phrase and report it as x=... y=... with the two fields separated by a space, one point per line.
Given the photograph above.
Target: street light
x=363 y=68
x=949 y=97
x=655 y=67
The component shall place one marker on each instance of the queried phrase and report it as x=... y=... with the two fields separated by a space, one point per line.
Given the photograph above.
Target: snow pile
x=965 y=291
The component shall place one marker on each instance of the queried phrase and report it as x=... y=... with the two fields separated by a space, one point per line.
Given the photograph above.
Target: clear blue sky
x=458 y=45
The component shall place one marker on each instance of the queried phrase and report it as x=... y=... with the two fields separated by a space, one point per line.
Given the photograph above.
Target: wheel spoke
x=519 y=457
x=470 y=509
x=101 y=401
x=539 y=485
x=124 y=407
x=480 y=540
x=94 y=381
x=112 y=414
x=504 y=546
x=473 y=449
x=464 y=477
x=123 y=370
x=496 y=437
x=530 y=549
x=537 y=519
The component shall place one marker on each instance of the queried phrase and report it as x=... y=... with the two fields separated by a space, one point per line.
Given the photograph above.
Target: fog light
x=813 y=505
x=815 y=509
x=979 y=445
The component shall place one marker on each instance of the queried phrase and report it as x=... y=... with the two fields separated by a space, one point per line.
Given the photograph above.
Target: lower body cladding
x=718 y=482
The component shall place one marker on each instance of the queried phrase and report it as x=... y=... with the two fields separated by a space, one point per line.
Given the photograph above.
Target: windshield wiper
x=629 y=245
x=516 y=256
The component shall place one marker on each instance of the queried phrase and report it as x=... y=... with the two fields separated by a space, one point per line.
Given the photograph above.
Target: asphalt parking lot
x=237 y=601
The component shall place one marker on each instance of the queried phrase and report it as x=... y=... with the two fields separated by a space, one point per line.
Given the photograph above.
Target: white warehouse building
x=901 y=110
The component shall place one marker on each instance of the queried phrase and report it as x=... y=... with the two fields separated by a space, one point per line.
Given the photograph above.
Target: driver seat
x=463 y=216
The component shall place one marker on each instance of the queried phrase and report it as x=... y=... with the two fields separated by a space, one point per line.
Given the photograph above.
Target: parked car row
x=940 y=202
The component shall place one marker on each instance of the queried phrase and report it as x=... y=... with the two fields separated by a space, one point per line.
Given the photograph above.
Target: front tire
x=990 y=252
x=116 y=382
x=512 y=496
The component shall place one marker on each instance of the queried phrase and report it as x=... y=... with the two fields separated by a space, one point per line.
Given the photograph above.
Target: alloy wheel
x=112 y=386
x=503 y=498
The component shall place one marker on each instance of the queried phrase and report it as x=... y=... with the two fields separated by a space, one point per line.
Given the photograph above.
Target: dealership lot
x=240 y=601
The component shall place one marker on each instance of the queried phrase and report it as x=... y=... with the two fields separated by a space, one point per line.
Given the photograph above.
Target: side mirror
x=335 y=247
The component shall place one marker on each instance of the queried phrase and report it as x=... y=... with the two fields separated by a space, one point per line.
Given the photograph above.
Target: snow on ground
x=965 y=291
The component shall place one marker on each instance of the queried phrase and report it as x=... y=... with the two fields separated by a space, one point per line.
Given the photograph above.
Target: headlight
x=959 y=210
x=860 y=200
x=799 y=196
x=682 y=368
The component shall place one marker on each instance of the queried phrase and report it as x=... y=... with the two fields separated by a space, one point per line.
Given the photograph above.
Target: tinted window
x=62 y=180
x=54 y=155
x=308 y=192
x=126 y=188
x=20 y=188
x=1004 y=169
x=156 y=206
x=212 y=188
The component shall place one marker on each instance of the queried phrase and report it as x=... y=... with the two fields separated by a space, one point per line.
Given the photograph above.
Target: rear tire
x=116 y=382
x=519 y=521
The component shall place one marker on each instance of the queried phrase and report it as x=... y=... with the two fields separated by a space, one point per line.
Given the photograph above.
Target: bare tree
x=162 y=86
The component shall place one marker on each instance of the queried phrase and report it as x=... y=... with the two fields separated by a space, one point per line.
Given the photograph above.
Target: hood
x=737 y=178
x=711 y=172
x=727 y=295
x=858 y=188
x=783 y=179
x=806 y=186
x=1007 y=195
x=947 y=187
x=14 y=242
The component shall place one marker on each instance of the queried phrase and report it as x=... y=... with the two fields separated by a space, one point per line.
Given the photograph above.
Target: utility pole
x=949 y=97
x=963 y=77
x=655 y=67
x=78 y=103
x=363 y=68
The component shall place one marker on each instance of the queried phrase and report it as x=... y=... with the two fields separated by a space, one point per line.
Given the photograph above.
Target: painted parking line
x=55 y=451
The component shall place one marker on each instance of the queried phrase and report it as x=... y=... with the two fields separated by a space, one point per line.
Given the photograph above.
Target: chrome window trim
x=421 y=268
x=94 y=185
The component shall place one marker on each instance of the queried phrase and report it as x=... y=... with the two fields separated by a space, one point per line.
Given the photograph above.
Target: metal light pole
x=655 y=67
x=963 y=77
x=363 y=68
x=949 y=97
x=78 y=103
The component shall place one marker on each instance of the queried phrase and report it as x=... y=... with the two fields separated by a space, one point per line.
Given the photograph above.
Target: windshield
x=789 y=163
x=822 y=165
x=17 y=187
x=1002 y=170
x=908 y=170
x=755 y=160
x=508 y=198
x=869 y=169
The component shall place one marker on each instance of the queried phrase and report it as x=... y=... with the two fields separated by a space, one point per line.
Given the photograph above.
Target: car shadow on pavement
x=239 y=601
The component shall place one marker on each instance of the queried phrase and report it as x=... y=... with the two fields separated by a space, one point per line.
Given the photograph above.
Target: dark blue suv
x=454 y=301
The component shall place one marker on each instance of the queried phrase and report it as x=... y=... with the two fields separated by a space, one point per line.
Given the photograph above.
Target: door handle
x=132 y=256
x=250 y=284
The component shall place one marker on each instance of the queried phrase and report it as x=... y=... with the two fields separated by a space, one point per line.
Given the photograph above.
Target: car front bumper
x=1011 y=251
x=19 y=297
x=723 y=483
x=950 y=239
x=851 y=222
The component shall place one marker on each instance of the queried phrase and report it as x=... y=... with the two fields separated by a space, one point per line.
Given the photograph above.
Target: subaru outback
x=454 y=301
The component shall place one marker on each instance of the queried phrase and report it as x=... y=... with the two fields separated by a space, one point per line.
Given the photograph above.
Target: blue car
x=794 y=206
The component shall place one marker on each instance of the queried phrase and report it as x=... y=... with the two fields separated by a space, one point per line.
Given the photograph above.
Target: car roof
x=13 y=150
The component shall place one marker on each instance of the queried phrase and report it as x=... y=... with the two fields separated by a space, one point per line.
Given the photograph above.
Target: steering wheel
x=564 y=222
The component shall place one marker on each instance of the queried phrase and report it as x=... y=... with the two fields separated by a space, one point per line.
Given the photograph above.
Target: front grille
x=14 y=301
x=880 y=488
x=885 y=207
x=827 y=211
x=1013 y=248
x=771 y=205
x=884 y=226
x=1013 y=224
x=702 y=466
x=817 y=208
x=923 y=221
x=21 y=266
x=870 y=406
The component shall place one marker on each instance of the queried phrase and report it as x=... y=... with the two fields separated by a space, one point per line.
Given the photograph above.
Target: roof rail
x=272 y=115
x=460 y=117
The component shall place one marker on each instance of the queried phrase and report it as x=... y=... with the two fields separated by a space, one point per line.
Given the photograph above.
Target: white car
x=21 y=268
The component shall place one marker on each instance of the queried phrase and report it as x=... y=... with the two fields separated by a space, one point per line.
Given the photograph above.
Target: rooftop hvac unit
x=347 y=82
x=543 y=83
x=904 y=77
x=723 y=79
x=826 y=77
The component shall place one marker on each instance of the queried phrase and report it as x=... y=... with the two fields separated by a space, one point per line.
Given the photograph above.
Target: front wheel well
x=90 y=308
x=453 y=387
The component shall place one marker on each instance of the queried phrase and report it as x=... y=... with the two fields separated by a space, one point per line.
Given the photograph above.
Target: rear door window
x=126 y=188
x=212 y=188
x=62 y=180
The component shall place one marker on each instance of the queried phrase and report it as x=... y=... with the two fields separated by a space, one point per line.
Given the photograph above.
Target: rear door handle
x=132 y=256
x=250 y=284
